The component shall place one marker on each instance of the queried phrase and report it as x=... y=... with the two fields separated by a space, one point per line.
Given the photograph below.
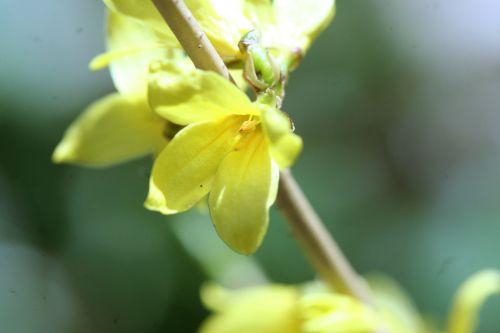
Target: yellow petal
x=327 y=312
x=299 y=21
x=470 y=296
x=284 y=23
x=285 y=145
x=286 y=150
x=395 y=306
x=184 y=96
x=184 y=170
x=130 y=73
x=214 y=297
x=244 y=188
x=132 y=46
x=222 y=21
x=237 y=75
x=103 y=60
x=143 y=11
x=267 y=309
x=113 y=129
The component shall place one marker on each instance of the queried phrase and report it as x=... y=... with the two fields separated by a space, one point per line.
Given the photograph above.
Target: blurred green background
x=399 y=106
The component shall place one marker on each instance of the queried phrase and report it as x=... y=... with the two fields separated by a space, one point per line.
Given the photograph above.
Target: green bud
x=260 y=68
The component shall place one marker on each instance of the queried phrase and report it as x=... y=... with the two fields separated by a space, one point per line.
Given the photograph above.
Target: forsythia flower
x=266 y=309
x=284 y=309
x=230 y=148
x=289 y=309
x=286 y=25
x=120 y=126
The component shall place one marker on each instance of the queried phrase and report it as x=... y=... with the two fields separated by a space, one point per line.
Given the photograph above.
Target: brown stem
x=323 y=252
x=191 y=36
x=319 y=245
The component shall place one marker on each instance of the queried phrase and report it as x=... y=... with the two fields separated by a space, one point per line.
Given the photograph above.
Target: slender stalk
x=320 y=246
x=191 y=36
x=323 y=252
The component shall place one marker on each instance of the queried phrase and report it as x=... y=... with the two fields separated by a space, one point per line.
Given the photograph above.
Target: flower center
x=248 y=126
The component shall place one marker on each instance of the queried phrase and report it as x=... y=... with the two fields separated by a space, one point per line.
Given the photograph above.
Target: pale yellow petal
x=184 y=96
x=130 y=72
x=184 y=170
x=242 y=192
x=215 y=297
x=141 y=10
x=299 y=21
x=222 y=21
x=267 y=309
x=286 y=24
x=395 y=306
x=260 y=12
x=103 y=60
x=132 y=46
x=263 y=17
x=111 y=130
x=285 y=145
x=470 y=297
x=327 y=312
x=237 y=75
x=286 y=149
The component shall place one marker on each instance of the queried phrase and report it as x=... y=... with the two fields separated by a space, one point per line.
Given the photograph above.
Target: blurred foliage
x=398 y=106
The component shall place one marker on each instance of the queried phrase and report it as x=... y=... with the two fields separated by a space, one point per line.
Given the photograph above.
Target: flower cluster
x=314 y=309
x=210 y=140
x=206 y=135
x=285 y=24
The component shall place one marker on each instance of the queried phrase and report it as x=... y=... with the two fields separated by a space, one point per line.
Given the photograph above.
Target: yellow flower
x=322 y=311
x=229 y=148
x=285 y=24
x=267 y=309
x=291 y=309
x=284 y=309
x=120 y=126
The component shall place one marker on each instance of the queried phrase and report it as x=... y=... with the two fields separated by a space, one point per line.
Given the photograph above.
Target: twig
x=320 y=247
x=191 y=36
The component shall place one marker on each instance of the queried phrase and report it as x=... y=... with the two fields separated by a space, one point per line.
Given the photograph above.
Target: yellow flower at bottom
x=327 y=312
x=229 y=148
x=292 y=309
x=267 y=309
x=284 y=309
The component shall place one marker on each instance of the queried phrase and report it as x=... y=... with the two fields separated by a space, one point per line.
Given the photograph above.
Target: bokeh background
x=399 y=106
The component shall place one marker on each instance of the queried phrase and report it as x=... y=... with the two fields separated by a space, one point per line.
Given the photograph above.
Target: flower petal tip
x=156 y=205
x=63 y=153
x=241 y=244
x=98 y=62
x=244 y=250
x=472 y=294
